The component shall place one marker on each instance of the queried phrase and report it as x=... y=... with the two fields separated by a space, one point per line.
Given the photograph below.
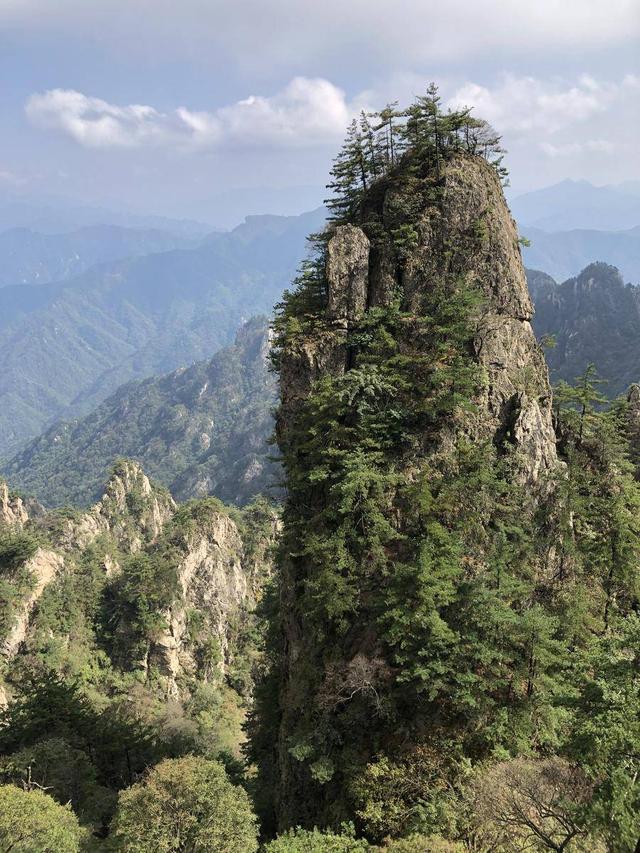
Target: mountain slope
x=200 y=430
x=28 y=257
x=595 y=318
x=65 y=347
x=578 y=204
x=564 y=254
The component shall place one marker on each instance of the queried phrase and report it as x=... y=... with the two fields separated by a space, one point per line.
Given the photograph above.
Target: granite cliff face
x=218 y=566
x=413 y=242
x=469 y=238
x=13 y=512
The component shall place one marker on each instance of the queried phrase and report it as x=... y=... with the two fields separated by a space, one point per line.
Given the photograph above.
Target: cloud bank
x=313 y=112
x=307 y=112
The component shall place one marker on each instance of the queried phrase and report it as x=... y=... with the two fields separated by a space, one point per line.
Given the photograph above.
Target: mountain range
x=31 y=257
x=200 y=430
x=571 y=205
x=594 y=318
x=65 y=346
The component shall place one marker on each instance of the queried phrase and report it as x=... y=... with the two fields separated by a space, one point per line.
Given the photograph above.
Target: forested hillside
x=593 y=318
x=200 y=430
x=432 y=646
x=65 y=347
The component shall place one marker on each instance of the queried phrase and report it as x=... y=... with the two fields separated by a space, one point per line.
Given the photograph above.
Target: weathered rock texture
x=132 y=510
x=456 y=235
x=44 y=567
x=214 y=581
x=469 y=238
x=13 y=512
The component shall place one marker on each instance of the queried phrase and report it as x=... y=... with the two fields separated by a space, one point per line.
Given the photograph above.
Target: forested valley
x=424 y=637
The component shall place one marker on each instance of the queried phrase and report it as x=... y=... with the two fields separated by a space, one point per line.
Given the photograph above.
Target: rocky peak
x=131 y=500
x=133 y=510
x=467 y=239
x=13 y=512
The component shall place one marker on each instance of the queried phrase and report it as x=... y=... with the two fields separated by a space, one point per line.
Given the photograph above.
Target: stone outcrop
x=213 y=581
x=43 y=567
x=13 y=512
x=469 y=239
x=414 y=243
x=132 y=510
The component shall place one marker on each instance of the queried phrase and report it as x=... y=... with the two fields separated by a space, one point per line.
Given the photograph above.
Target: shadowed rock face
x=462 y=237
x=469 y=239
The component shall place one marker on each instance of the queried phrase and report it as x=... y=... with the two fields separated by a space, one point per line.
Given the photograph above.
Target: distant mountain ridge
x=56 y=215
x=571 y=205
x=594 y=318
x=66 y=346
x=29 y=257
x=564 y=254
x=199 y=430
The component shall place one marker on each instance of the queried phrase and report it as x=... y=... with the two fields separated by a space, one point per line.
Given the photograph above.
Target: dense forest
x=431 y=646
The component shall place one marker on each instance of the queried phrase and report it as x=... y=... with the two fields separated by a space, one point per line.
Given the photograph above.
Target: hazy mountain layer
x=579 y=204
x=29 y=257
x=65 y=347
x=200 y=430
x=564 y=253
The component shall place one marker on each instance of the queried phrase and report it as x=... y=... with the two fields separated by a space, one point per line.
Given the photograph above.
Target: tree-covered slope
x=64 y=348
x=28 y=257
x=452 y=572
x=593 y=318
x=199 y=430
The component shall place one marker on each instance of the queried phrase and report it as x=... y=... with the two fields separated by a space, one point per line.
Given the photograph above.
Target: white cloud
x=555 y=127
x=306 y=112
x=524 y=104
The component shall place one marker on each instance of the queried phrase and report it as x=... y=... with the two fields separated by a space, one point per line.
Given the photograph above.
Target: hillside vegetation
x=200 y=430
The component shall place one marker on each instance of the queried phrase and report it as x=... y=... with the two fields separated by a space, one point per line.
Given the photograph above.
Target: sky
x=210 y=109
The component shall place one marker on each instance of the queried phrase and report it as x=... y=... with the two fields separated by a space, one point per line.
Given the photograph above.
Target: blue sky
x=199 y=107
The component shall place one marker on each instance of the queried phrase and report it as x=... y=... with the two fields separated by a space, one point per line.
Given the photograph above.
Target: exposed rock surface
x=469 y=238
x=213 y=581
x=44 y=567
x=13 y=512
x=132 y=510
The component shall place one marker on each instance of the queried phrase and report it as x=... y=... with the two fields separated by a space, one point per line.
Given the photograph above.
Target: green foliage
x=136 y=600
x=32 y=822
x=606 y=732
x=65 y=773
x=16 y=580
x=118 y=745
x=197 y=431
x=422 y=844
x=185 y=804
x=417 y=139
x=315 y=841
